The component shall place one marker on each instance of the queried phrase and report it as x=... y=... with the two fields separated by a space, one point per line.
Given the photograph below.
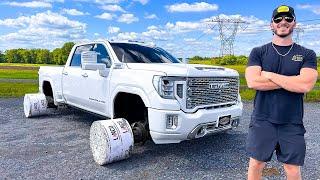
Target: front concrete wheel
x=110 y=140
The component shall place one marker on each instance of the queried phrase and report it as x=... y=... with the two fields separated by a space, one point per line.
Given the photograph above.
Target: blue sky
x=181 y=27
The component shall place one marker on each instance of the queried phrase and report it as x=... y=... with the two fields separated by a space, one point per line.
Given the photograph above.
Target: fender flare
x=131 y=90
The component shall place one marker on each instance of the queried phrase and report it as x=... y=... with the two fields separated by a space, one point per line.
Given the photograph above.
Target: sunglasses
x=278 y=19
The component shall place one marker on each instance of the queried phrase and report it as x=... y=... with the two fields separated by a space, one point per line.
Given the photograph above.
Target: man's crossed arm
x=264 y=81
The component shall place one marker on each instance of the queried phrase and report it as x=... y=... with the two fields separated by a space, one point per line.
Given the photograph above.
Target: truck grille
x=211 y=91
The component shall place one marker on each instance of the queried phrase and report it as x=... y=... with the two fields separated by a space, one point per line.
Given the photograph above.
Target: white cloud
x=310 y=27
x=189 y=39
x=113 y=29
x=152 y=27
x=112 y=8
x=154 y=33
x=127 y=36
x=21 y=21
x=106 y=16
x=48 y=19
x=96 y=34
x=42 y=30
x=195 y=7
x=107 y=1
x=74 y=12
x=314 y=8
x=31 y=4
x=182 y=27
x=143 y=2
x=151 y=16
x=52 y=1
x=127 y=18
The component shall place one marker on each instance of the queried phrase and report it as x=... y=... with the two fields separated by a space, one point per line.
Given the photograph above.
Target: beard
x=276 y=31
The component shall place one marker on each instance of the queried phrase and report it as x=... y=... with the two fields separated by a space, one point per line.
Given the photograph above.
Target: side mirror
x=93 y=66
x=89 y=57
x=103 y=71
x=89 y=62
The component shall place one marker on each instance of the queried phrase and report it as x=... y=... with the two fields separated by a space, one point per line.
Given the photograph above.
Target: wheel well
x=130 y=107
x=47 y=89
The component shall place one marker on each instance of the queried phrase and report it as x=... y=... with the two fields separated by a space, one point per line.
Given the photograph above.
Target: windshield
x=135 y=53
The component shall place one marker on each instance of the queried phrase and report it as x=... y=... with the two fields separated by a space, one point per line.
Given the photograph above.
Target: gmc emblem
x=222 y=85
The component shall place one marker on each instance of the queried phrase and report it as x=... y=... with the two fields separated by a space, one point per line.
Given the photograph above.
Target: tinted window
x=76 y=58
x=102 y=54
x=135 y=53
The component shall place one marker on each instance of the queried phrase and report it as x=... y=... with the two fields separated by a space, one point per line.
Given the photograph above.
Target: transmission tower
x=228 y=28
x=297 y=31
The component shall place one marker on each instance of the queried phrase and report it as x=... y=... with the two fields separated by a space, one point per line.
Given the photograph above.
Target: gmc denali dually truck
x=160 y=97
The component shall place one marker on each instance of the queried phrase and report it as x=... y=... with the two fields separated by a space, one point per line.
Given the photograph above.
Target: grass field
x=18 y=74
x=24 y=65
x=17 y=89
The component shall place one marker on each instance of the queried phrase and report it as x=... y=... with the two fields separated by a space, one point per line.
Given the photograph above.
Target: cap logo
x=283 y=9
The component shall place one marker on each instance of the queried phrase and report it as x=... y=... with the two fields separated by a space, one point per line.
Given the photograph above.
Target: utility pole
x=297 y=31
x=228 y=28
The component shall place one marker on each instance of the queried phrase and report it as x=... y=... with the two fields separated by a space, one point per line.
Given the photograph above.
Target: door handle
x=65 y=73
x=84 y=75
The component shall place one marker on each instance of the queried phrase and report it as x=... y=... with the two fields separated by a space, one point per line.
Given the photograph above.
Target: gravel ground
x=56 y=146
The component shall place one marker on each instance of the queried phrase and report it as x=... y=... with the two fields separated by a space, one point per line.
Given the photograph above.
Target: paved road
x=56 y=146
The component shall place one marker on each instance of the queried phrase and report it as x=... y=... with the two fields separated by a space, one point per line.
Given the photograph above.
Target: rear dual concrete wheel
x=35 y=105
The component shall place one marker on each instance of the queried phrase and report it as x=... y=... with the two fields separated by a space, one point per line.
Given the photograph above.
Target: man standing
x=280 y=72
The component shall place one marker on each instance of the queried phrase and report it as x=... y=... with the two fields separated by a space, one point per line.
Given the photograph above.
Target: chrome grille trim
x=204 y=91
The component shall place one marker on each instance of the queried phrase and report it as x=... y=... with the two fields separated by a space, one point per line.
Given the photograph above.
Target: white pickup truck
x=158 y=95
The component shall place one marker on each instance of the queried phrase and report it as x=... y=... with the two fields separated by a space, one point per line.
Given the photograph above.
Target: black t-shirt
x=280 y=106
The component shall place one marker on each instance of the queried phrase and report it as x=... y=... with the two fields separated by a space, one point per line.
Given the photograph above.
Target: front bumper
x=190 y=125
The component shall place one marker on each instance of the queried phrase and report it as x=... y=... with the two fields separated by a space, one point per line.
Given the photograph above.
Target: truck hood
x=180 y=69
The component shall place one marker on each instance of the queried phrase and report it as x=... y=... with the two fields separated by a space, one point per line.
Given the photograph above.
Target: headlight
x=165 y=86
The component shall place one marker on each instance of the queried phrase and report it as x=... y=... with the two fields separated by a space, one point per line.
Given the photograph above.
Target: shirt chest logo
x=297 y=57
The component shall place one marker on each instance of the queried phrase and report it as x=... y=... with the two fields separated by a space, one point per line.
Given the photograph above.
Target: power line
x=297 y=31
x=309 y=20
x=228 y=28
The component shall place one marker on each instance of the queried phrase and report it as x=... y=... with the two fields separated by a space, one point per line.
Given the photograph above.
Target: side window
x=76 y=58
x=103 y=56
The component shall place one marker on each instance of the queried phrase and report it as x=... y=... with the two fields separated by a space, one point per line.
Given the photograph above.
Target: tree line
x=227 y=60
x=37 y=56
x=60 y=55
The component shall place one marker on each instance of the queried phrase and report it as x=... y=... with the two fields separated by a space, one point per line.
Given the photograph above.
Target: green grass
x=18 y=74
x=243 y=81
x=17 y=89
x=247 y=94
x=313 y=96
x=24 y=65
x=207 y=62
x=240 y=68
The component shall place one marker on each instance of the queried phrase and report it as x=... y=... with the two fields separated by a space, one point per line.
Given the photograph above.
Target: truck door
x=73 y=79
x=96 y=87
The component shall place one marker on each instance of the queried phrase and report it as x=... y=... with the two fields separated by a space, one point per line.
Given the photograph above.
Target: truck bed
x=53 y=75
